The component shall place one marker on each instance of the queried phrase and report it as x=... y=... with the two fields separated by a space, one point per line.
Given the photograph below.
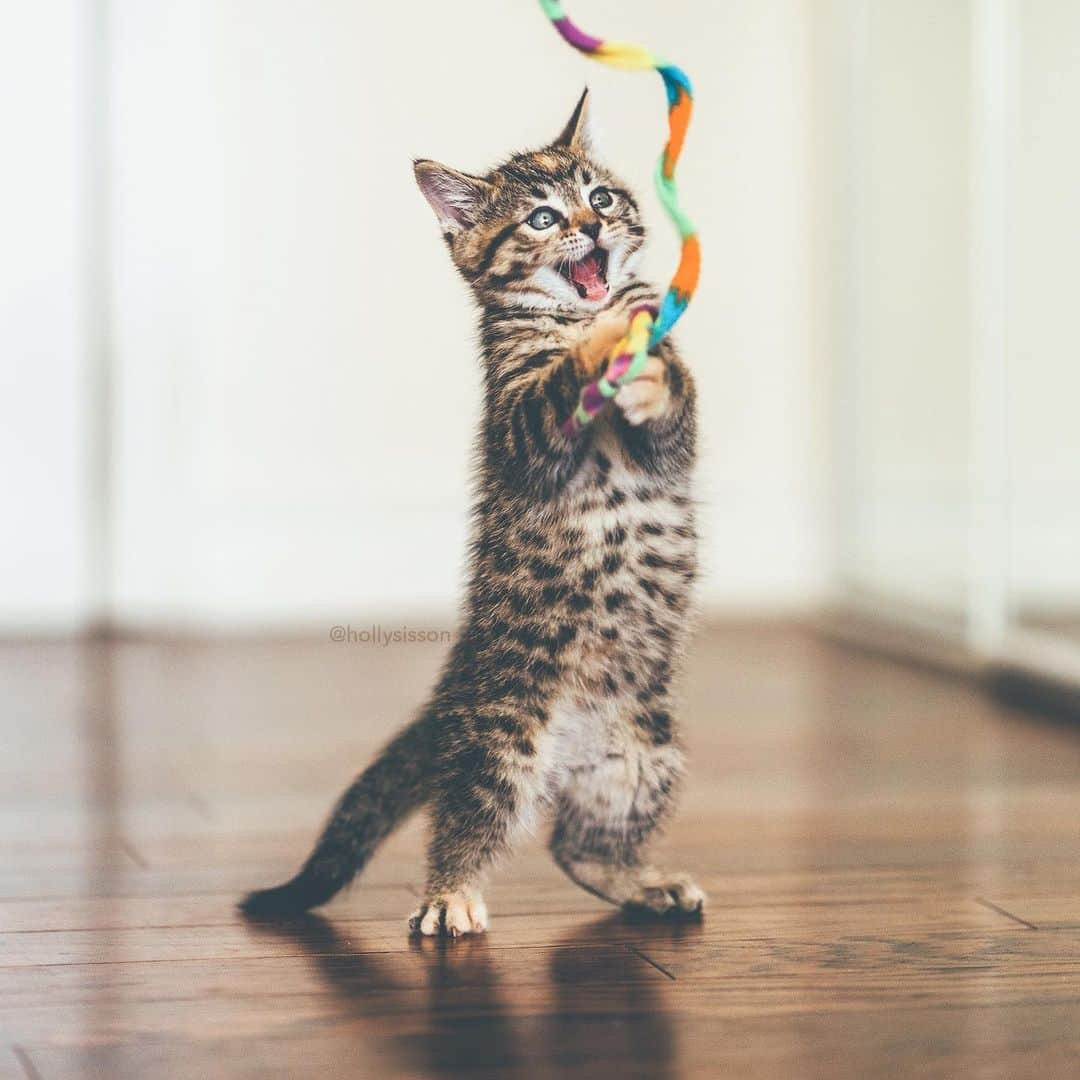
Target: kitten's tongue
x=586 y=274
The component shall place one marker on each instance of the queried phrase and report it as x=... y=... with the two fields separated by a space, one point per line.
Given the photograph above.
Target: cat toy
x=647 y=325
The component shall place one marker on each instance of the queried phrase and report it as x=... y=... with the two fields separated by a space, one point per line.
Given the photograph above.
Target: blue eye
x=543 y=217
x=601 y=198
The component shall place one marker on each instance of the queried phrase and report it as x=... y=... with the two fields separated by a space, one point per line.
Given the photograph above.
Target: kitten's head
x=550 y=229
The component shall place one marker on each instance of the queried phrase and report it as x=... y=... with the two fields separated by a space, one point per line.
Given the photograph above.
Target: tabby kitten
x=556 y=697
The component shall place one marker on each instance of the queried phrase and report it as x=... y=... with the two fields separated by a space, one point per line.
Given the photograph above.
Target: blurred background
x=239 y=376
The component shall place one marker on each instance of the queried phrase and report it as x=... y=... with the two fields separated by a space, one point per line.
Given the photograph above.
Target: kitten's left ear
x=577 y=135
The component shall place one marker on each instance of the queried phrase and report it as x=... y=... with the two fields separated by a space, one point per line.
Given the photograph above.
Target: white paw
x=689 y=896
x=662 y=893
x=450 y=915
x=646 y=397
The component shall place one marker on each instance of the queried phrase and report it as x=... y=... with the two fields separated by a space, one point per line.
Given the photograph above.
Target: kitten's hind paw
x=667 y=894
x=450 y=915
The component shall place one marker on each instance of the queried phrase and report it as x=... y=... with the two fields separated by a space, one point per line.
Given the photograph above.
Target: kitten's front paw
x=646 y=397
x=665 y=893
x=450 y=915
x=604 y=333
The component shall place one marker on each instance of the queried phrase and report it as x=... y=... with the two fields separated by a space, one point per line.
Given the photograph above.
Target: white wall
x=296 y=376
x=928 y=516
x=47 y=212
x=904 y=319
x=293 y=377
x=1044 y=317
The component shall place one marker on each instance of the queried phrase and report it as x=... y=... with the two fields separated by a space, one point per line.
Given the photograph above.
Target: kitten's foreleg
x=532 y=406
x=656 y=415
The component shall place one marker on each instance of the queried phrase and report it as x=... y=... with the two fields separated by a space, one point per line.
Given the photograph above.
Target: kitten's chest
x=637 y=563
x=624 y=512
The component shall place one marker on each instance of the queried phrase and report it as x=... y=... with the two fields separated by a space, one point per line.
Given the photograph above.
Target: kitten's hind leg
x=634 y=887
x=607 y=812
x=490 y=788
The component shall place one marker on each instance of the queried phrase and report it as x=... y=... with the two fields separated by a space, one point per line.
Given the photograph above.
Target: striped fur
x=556 y=698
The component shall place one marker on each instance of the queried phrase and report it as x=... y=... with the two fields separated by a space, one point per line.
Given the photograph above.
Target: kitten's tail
x=373 y=805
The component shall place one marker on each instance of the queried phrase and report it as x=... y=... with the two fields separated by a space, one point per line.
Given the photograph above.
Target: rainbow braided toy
x=647 y=326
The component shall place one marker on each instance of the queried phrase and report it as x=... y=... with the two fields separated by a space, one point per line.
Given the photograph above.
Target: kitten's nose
x=591 y=229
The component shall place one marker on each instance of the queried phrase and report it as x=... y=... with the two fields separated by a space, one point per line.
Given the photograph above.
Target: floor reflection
x=593 y=995
x=622 y=1017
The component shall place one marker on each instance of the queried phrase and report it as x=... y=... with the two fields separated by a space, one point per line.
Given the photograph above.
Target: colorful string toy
x=647 y=325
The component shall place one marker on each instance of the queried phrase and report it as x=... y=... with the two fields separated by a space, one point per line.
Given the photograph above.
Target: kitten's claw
x=450 y=915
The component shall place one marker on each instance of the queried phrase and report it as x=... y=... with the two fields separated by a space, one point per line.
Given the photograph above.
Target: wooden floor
x=893 y=867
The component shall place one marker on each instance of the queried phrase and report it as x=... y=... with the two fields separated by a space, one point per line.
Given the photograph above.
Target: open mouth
x=589 y=275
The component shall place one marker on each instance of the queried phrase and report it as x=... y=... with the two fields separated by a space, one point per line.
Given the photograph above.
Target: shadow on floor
x=507 y=1012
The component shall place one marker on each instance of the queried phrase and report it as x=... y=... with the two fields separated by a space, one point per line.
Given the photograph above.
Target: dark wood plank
x=893 y=865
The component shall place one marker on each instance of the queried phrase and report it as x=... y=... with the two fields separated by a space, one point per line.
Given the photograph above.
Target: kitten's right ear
x=454 y=196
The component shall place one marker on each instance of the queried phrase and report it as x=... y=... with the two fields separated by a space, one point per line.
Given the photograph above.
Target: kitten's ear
x=454 y=196
x=576 y=135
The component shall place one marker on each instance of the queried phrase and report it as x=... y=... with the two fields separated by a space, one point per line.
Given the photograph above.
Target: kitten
x=556 y=697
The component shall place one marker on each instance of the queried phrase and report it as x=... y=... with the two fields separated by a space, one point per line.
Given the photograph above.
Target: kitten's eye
x=601 y=198
x=543 y=217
